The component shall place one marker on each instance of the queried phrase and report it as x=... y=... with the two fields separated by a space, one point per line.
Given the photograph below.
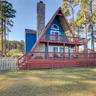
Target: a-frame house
x=56 y=47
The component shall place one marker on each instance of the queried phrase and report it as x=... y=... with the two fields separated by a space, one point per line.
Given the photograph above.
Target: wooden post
x=69 y=51
x=85 y=51
x=47 y=50
x=64 y=50
x=52 y=55
x=75 y=48
x=78 y=50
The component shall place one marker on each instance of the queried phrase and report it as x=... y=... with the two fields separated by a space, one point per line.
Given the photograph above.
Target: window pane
x=54 y=35
x=61 y=49
x=55 y=49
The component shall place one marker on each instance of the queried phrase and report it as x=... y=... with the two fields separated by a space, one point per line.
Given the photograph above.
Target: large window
x=56 y=49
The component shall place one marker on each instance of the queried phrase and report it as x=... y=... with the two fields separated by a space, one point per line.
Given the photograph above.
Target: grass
x=50 y=82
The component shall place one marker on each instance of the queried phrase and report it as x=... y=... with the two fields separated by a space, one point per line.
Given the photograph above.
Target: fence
x=8 y=63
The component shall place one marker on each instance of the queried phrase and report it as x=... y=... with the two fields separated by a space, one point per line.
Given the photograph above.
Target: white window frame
x=52 y=27
x=50 y=48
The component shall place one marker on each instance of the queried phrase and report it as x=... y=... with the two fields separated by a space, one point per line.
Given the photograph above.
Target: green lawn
x=50 y=82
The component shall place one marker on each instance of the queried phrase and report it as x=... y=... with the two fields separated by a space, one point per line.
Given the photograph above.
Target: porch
x=41 y=60
x=62 y=55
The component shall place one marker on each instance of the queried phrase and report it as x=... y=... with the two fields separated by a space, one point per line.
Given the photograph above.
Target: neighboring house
x=50 y=45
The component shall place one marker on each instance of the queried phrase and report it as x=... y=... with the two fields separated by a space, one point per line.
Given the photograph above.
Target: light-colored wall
x=40 y=48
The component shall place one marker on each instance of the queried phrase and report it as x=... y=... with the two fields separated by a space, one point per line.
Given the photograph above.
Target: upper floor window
x=55 y=27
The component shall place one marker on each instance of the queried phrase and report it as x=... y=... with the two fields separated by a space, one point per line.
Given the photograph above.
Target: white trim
x=54 y=32
x=53 y=28
x=51 y=48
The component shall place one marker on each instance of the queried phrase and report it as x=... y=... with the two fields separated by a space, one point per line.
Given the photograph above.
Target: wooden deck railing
x=58 y=55
x=60 y=38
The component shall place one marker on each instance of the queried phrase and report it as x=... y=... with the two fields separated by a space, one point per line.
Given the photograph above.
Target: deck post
x=84 y=51
x=69 y=51
x=52 y=59
x=64 y=50
x=75 y=49
x=78 y=50
x=47 y=50
x=52 y=55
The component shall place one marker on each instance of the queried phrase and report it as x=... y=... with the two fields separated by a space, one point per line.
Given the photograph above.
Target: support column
x=64 y=50
x=84 y=51
x=46 y=50
x=47 y=46
x=75 y=48
x=78 y=50
x=69 y=51
x=75 y=51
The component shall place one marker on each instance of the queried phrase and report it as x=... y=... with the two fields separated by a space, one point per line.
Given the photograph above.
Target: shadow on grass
x=4 y=72
x=52 y=82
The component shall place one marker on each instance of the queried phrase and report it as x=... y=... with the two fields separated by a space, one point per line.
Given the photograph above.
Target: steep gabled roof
x=63 y=22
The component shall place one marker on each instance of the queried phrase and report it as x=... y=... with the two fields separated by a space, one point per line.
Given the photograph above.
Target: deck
x=57 y=39
x=51 y=60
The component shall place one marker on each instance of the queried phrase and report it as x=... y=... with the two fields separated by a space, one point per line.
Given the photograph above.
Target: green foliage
x=14 y=52
x=7 y=13
x=86 y=17
x=17 y=47
x=94 y=16
x=65 y=8
x=0 y=45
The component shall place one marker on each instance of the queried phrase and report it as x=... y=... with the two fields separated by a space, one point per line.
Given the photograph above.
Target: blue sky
x=26 y=15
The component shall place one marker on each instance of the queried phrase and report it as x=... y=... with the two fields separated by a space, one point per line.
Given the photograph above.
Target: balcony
x=62 y=39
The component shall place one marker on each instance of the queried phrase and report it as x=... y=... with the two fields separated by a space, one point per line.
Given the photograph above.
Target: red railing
x=22 y=58
x=57 y=55
x=60 y=38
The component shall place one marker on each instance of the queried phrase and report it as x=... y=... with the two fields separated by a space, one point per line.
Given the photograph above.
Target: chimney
x=40 y=17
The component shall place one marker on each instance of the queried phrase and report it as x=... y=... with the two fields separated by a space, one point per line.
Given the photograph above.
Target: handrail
x=71 y=39
x=57 y=55
x=53 y=52
x=46 y=55
x=59 y=52
x=63 y=36
x=22 y=57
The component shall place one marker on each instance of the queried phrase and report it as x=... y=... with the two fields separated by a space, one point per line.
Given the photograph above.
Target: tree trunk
x=4 y=37
x=86 y=38
x=73 y=28
x=92 y=34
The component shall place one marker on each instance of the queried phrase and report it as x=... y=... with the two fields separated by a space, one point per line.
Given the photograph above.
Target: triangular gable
x=64 y=23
